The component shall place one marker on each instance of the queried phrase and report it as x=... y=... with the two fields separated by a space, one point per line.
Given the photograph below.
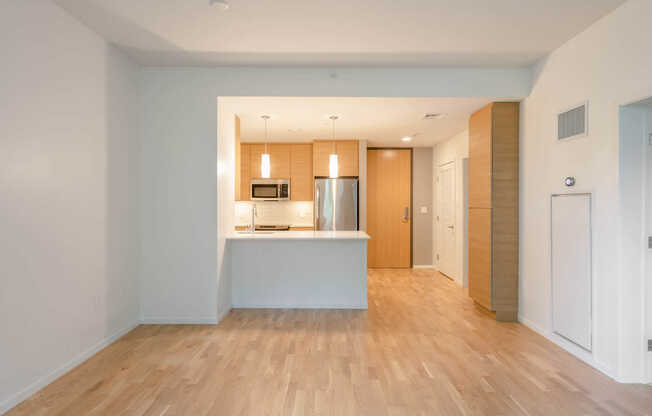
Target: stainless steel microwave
x=270 y=189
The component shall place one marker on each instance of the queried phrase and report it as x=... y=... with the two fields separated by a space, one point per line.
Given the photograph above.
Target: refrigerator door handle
x=316 y=228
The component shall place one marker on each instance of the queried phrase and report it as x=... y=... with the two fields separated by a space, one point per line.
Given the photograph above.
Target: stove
x=272 y=227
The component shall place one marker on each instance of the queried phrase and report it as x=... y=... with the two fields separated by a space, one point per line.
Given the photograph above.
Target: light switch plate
x=424 y=210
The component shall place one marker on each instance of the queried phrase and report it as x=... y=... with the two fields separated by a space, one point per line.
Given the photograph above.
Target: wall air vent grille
x=572 y=123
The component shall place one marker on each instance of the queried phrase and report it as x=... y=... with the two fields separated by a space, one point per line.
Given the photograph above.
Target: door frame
x=411 y=193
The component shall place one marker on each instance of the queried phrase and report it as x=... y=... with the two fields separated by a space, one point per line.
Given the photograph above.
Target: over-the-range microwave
x=270 y=189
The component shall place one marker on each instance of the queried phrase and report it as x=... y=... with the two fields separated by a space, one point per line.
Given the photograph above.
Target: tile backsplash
x=294 y=213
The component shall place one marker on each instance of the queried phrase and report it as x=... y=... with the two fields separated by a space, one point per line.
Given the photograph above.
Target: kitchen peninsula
x=299 y=269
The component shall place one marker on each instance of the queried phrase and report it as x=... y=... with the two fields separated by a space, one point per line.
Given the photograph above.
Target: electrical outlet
x=424 y=210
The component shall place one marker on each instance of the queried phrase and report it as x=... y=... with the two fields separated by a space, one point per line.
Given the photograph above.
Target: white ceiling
x=381 y=121
x=339 y=33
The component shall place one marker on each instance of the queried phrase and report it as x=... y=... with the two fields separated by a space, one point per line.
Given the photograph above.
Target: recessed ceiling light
x=222 y=3
x=406 y=139
x=434 y=116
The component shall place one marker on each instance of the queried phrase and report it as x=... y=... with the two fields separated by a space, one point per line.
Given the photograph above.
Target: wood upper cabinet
x=347 y=157
x=255 y=152
x=480 y=158
x=287 y=160
x=279 y=155
x=301 y=178
x=300 y=162
x=245 y=173
x=321 y=151
x=493 y=208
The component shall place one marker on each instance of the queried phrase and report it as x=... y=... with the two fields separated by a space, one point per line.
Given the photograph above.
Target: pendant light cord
x=266 y=137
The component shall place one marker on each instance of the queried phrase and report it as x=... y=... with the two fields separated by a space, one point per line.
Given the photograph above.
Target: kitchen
x=297 y=241
x=319 y=190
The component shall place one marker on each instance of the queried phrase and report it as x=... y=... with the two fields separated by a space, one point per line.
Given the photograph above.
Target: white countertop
x=299 y=235
x=291 y=225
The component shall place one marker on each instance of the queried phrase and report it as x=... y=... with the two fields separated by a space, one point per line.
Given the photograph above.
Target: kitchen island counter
x=299 y=269
x=299 y=235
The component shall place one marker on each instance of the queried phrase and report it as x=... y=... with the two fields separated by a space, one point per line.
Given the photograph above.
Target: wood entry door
x=389 y=210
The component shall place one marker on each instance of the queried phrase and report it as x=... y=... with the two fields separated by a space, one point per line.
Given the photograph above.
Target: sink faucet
x=254 y=214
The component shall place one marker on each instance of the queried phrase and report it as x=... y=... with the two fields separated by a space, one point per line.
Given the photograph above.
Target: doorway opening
x=635 y=185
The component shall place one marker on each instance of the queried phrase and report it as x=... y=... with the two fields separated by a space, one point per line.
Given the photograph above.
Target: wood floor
x=422 y=348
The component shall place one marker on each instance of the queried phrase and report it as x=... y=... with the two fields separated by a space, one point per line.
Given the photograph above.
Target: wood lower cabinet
x=480 y=256
x=347 y=157
x=493 y=208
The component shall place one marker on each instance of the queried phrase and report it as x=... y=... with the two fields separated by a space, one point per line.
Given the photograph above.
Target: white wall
x=648 y=227
x=608 y=65
x=455 y=149
x=68 y=245
x=362 y=185
x=632 y=149
x=226 y=219
x=179 y=157
x=422 y=174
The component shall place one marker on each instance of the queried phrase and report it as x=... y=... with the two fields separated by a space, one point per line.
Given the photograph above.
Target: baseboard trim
x=423 y=266
x=179 y=320
x=39 y=384
x=223 y=314
x=569 y=347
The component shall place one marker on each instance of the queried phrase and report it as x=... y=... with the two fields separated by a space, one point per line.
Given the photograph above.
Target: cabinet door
x=279 y=155
x=321 y=153
x=255 y=151
x=480 y=158
x=301 y=179
x=245 y=174
x=347 y=156
x=480 y=256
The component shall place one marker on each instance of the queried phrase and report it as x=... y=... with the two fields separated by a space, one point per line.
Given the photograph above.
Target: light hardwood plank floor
x=422 y=348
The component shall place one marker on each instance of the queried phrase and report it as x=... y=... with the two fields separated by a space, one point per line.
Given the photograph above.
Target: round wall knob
x=569 y=181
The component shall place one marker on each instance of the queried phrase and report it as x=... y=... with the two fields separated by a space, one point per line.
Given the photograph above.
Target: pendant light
x=332 y=160
x=265 y=165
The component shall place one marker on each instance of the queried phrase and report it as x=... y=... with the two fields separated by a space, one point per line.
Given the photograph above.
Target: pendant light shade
x=265 y=164
x=332 y=160
x=332 y=166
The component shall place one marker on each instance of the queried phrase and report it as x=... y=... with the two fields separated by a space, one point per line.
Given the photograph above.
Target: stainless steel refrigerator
x=336 y=204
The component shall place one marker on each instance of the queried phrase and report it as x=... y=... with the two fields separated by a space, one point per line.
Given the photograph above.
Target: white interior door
x=446 y=219
x=571 y=267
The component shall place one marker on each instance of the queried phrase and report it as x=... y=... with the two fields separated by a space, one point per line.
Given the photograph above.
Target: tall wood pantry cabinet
x=493 y=208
